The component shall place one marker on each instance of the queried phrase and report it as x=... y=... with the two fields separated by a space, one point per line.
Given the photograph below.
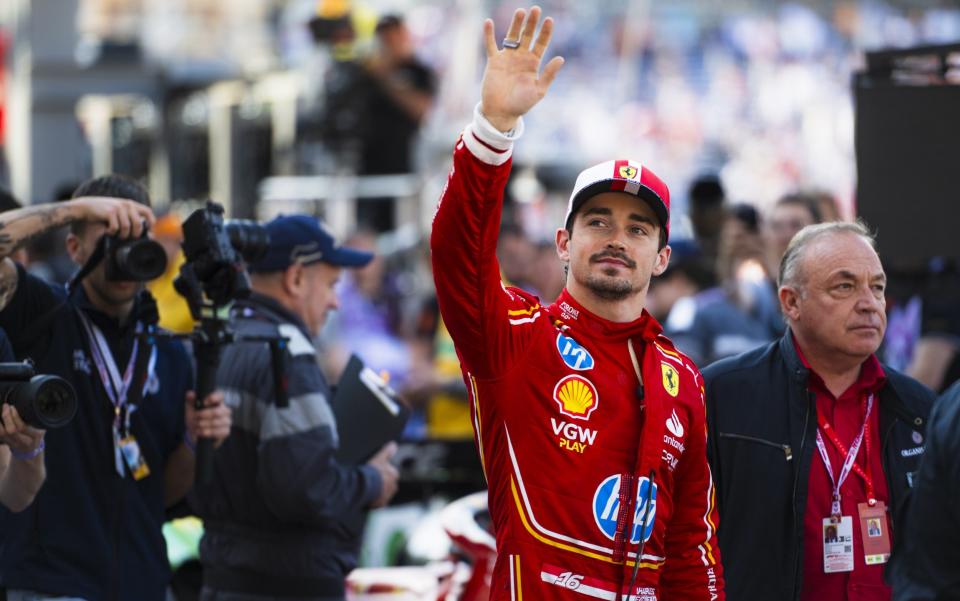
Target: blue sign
x=575 y=356
x=606 y=508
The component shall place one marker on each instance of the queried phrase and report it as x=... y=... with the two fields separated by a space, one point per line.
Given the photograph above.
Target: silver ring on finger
x=511 y=44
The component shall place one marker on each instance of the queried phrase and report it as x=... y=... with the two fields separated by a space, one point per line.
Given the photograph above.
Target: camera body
x=215 y=251
x=134 y=259
x=42 y=401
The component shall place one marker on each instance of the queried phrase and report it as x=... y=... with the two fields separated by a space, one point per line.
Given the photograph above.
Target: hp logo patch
x=575 y=356
x=606 y=507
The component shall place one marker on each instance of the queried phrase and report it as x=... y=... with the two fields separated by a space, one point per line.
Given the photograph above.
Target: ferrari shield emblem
x=628 y=171
x=671 y=379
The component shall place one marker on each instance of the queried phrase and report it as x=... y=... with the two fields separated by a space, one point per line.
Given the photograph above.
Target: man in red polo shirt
x=814 y=443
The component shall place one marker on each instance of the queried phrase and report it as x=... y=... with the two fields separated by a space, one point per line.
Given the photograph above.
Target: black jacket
x=281 y=516
x=762 y=422
x=928 y=568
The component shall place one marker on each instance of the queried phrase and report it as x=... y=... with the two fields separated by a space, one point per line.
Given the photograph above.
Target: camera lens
x=42 y=402
x=55 y=402
x=249 y=238
x=141 y=260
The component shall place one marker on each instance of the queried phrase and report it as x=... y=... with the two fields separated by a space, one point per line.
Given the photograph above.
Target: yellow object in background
x=448 y=416
x=174 y=311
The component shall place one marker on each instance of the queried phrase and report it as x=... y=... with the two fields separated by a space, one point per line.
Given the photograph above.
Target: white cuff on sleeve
x=486 y=142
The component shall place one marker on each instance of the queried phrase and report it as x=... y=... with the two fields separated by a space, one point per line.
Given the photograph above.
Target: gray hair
x=790 y=263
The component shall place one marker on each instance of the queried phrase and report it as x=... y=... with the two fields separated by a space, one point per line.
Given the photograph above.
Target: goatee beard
x=609 y=288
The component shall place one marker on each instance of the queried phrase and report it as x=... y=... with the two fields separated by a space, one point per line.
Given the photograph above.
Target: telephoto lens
x=249 y=238
x=42 y=401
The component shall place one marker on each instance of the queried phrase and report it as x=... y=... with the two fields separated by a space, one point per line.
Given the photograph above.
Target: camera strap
x=95 y=257
x=117 y=385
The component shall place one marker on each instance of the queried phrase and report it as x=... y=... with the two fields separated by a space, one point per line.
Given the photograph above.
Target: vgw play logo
x=606 y=508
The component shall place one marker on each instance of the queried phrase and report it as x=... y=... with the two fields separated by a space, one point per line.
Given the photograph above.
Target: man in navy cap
x=282 y=517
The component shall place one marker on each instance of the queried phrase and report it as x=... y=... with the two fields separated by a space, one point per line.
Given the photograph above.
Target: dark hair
x=747 y=215
x=706 y=190
x=388 y=22
x=804 y=200
x=113 y=186
x=8 y=201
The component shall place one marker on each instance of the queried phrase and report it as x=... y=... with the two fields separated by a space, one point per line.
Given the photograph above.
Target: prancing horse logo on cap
x=628 y=171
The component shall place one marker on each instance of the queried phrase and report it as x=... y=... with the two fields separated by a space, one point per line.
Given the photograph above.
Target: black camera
x=134 y=259
x=215 y=251
x=42 y=401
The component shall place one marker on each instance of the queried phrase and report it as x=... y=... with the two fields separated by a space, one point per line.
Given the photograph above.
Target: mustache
x=612 y=254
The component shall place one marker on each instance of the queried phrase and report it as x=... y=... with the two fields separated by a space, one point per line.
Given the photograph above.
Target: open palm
x=512 y=82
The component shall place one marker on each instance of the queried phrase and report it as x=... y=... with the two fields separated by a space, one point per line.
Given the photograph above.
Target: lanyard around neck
x=849 y=463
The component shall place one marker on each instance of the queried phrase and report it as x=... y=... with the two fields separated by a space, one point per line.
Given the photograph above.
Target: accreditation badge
x=133 y=458
x=876 y=535
x=837 y=544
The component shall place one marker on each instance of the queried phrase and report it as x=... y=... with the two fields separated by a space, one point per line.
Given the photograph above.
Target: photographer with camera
x=94 y=529
x=21 y=450
x=282 y=517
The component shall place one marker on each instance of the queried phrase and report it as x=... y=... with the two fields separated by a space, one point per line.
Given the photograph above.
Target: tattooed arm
x=124 y=218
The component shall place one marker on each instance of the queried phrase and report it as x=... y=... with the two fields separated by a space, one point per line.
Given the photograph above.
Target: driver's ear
x=563 y=245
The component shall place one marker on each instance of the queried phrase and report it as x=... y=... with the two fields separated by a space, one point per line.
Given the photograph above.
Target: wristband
x=29 y=454
x=190 y=445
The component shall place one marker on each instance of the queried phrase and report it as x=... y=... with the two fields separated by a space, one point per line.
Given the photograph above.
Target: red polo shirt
x=845 y=415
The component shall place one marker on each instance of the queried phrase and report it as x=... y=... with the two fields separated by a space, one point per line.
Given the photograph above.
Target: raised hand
x=512 y=81
x=124 y=218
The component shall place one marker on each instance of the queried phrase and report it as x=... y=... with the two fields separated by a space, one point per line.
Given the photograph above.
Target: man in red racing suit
x=590 y=425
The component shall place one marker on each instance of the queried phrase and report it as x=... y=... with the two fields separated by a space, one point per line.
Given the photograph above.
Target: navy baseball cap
x=303 y=239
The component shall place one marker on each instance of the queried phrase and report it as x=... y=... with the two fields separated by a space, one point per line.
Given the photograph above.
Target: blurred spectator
x=707 y=206
x=403 y=91
x=935 y=358
x=546 y=276
x=367 y=321
x=790 y=214
x=517 y=255
x=174 y=310
x=684 y=277
x=740 y=313
x=924 y=567
x=373 y=108
x=285 y=517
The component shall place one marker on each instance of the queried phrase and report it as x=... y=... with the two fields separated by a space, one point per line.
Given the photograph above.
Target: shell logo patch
x=576 y=396
x=627 y=171
x=671 y=379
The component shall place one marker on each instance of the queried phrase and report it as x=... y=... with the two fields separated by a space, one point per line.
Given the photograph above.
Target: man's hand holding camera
x=123 y=218
x=24 y=441
x=23 y=472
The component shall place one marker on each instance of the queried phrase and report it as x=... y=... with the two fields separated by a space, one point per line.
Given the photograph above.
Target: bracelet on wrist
x=28 y=455
x=189 y=444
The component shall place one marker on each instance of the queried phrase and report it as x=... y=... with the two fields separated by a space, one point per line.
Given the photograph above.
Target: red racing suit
x=576 y=451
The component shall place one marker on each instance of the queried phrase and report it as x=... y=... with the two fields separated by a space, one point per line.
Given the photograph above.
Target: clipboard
x=368 y=411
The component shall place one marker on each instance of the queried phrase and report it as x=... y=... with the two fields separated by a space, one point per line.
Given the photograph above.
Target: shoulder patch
x=671 y=379
x=298 y=343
